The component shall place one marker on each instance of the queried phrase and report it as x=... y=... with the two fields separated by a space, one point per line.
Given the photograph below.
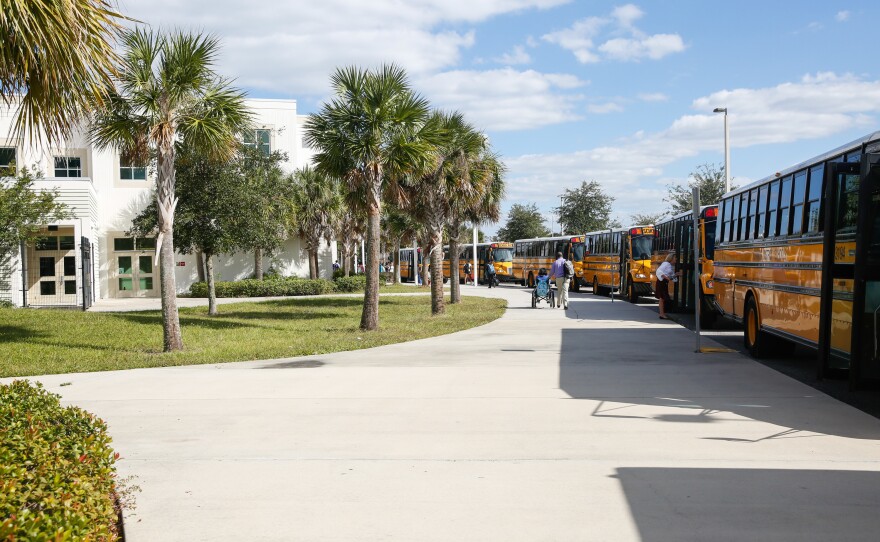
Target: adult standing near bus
x=559 y=272
x=490 y=273
x=665 y=273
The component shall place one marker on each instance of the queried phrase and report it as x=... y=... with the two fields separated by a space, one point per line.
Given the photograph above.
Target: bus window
x=743 y=216
x=502 y=254
x=848 y=204
x=784 y=205
x=797 y=203
x=734 y=218
x=773 y=212
x=761 y=230
x=753 y=215
x=814 y=197
x=577 y=251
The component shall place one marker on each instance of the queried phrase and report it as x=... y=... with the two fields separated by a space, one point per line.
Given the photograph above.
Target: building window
x=68 y=166
x=7 y=160
x=128 y=171
x=259 y=139
x=130 y=243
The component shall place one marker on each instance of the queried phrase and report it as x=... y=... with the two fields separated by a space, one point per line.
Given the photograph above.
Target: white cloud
x=294 y=47
x=653 y=97
x=605 y=108
x=842 y=16
x=818 y=105
x=506 y=99
x=517 y=56
x=582 y=36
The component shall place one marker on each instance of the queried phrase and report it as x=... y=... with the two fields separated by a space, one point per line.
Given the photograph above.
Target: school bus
x=676 y=235
x=530 y=255
x=797 y=259
x=501 y=253
x=620 y=259
x=410 y=263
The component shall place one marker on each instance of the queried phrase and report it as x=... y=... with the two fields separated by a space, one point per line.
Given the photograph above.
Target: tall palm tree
x=449 y=182
x=57 y=59
x=166 y=92
x=316 y=201
x=371 y=135
x=487 y=173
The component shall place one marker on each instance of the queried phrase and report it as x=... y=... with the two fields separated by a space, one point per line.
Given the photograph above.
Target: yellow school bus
x=676 y=235
x=530 y=255
x=500 y=253
x=797 y=259
x=410 y=263
x=620 y=259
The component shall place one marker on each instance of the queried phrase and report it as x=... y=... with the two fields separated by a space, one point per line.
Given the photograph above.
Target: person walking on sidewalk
x=490 y=273
x=561 y=271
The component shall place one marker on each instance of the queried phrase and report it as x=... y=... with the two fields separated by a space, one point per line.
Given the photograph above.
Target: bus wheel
x=755 y=339
x=575 y=284
x=596 y=286
x=707 y=315
x=531 y=282
x=631 y=292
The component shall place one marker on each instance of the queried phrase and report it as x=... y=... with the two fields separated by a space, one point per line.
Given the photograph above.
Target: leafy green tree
x=644 y=219
x=523 y=222
x=315 y=202
x=23 y=210
x=370 y=136
x=168 y=92
x=708 y=177
x=213 y=214
x=57 y=58
x=585 y=209
x=266 y=202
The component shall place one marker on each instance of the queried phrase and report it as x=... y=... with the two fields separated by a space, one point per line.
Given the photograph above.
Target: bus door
x=851 y=271
x=684 y=250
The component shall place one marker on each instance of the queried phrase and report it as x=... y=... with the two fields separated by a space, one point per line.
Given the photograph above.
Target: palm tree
x=448 y=182
x=57 y=59
x=168 y=92
x=315 y=201
x=370 y=135
x=487 y=172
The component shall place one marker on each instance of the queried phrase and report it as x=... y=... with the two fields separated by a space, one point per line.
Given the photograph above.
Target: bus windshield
x=503 y=254
x=641 y=247
x=577 y=252
x=710 y=239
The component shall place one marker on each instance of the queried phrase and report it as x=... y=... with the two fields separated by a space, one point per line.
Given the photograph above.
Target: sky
x=571 y=91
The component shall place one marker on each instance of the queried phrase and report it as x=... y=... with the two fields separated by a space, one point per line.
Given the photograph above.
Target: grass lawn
x=46 y=341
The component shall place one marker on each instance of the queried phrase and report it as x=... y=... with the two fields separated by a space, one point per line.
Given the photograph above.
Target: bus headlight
x=710 y=283
x=641 y=276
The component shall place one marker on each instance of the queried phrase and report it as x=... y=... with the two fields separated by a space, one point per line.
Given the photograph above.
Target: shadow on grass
x=19 y=334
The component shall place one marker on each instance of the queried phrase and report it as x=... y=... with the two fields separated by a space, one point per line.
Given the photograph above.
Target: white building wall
x=104 y=204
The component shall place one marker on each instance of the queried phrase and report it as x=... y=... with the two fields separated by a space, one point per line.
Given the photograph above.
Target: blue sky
x=621 y=93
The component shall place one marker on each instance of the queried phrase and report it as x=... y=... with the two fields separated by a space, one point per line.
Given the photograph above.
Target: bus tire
x=596 y=286
x=756 y=341
x=707 y=315
x=631 y=294
x=575 y=284
x=531 y=282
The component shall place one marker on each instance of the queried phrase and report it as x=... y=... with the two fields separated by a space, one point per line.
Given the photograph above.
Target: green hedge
x=353 y=283
x=57 y=473
x=265 y=288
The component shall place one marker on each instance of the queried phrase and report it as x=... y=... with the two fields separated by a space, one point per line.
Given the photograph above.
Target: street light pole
x=726 y=149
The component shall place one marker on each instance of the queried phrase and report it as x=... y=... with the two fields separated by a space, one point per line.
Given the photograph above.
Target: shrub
x=355 y=283
x=338 y=273
x=57 y=473
x=291 y=286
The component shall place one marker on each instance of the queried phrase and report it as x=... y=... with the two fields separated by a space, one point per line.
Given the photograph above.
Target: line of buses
x=794 y=257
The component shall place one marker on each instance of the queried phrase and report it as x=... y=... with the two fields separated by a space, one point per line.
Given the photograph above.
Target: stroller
x=542 y=291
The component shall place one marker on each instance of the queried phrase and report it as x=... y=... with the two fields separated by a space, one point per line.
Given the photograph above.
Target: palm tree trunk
x=426 y=250
x=438 y=305
x=212 y=292
x=313 y=263
x=172 y=338
x=454 y=286
x=370 y=316
x=396 y=278
x=258 y=263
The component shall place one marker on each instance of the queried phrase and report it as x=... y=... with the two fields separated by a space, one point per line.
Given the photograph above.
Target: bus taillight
x=711 y=212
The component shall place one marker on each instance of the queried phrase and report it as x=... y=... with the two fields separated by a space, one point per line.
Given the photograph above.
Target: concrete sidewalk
x=596 y=424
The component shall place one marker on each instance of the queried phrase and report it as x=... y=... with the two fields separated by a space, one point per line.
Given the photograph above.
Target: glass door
x=684 y=246
x=52 y=272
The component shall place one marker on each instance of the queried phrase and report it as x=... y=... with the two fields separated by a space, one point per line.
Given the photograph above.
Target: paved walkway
x=598 y=424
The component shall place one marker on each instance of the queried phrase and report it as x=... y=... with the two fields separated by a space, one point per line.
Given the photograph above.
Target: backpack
x=490 y=268
x=569 y=269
